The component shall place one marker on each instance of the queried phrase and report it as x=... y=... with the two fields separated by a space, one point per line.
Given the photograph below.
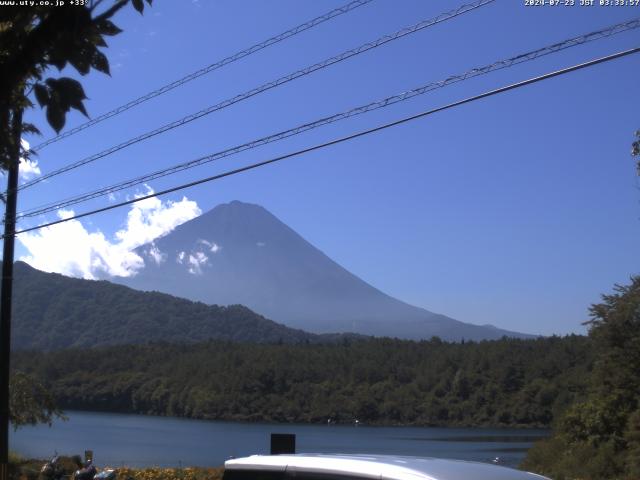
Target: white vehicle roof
x=381 y=467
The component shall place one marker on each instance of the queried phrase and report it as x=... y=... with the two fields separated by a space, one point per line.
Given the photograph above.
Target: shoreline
x=261 y=421
x=144 y=441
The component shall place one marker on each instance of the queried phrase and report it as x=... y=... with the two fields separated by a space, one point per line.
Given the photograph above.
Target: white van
x=361 y=467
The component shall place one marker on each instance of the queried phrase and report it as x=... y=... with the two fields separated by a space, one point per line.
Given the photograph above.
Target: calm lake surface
x=138 y=440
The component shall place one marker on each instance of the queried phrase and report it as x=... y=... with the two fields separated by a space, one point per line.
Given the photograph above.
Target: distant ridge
x=239 y=253
x=52 y=312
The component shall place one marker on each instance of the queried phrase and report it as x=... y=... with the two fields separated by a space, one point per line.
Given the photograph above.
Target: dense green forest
x=505 y=382
x=52 y=311
x=599 y=436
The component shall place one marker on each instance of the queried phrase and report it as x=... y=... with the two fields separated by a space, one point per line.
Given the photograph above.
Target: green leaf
x=65 y=93
x=99 y=62
x=56 y=117
x=138 y=5
x=107 y=27
x=42 y=94
x=62 y=50
x=78 y=105
x=57 y=60
x=81 y=61
x=30 y=128
x=99 y=41
x=67 y=87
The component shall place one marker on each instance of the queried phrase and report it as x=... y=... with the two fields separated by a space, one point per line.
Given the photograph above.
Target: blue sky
x=519 y=210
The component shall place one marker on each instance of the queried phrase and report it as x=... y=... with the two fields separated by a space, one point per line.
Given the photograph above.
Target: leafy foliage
x=30 y=402
x=155 y=473
x=34 y=39
x=24 y=469
x=379 y=381
x=30 y=469
x=599 y=437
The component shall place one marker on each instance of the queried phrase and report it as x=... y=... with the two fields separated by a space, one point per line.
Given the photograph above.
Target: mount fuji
x=239 y=253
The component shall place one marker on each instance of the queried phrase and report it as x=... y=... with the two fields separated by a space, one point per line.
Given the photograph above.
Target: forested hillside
x=52 y=311
x=598 y=437
x=380 y=381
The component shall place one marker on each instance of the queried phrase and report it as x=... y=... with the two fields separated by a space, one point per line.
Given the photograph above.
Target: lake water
x=138 y=440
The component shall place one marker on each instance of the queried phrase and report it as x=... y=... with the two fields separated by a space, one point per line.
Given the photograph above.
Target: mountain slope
x=51 y=311
x=240 y=253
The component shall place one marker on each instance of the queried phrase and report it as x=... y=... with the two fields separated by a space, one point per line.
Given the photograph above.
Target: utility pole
x=7 y=290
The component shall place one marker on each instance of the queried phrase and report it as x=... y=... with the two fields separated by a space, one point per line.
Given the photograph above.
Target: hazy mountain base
x=51 y=311
x=239 y=253
x=380 y=381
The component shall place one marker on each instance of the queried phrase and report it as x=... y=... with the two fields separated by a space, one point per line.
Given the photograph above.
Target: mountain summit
x=239 y=253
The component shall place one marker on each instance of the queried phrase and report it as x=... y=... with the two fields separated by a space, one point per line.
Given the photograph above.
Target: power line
x=340 y=116
x=267 y=86
x=498 y=65
x=209 y=68
x=362 y=133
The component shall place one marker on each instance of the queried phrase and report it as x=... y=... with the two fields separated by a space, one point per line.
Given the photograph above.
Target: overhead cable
x=362 y=133
x=267 y=86
x=208 y=69
x=498 y=65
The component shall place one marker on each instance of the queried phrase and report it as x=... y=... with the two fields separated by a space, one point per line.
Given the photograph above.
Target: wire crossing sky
x=353 y=136
x=265 y=87
x=208 y=69
x=500 y=64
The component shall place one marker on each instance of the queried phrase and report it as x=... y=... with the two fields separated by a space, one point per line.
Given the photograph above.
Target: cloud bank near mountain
x=71 y=249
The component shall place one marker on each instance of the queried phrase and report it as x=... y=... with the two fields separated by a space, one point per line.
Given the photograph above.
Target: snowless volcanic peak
x=239 y=253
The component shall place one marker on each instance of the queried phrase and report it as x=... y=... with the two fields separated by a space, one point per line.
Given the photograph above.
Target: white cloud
x=28 y=169
x=213 y=246
x=196 y=262
x=261 y=244
x=150 y=219
x=155 y=253
x=180 y=258
x=69 y=248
